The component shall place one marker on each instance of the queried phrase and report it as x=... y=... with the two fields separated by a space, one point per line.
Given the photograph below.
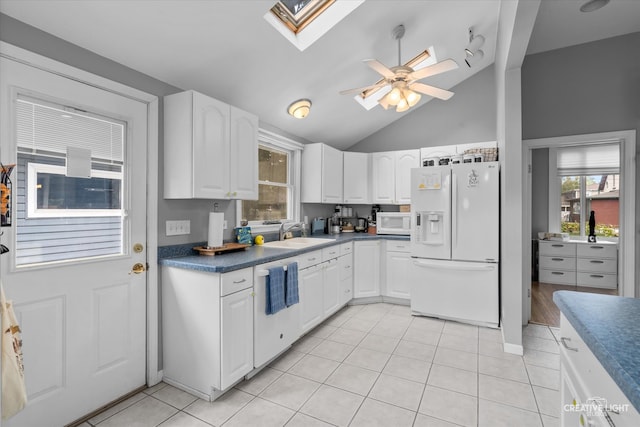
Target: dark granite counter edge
x=621 y=377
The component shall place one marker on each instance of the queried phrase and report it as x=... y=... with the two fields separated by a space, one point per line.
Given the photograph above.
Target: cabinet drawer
x=557 y=263
x=597 y=251
x=345 y=266
x=309 y=259
x=597 y=280
x=558 y=276
x=235 y=281
x=330 y=253
x=557 y=249
x=606 y=265
x=398 y=246
x=346 y=248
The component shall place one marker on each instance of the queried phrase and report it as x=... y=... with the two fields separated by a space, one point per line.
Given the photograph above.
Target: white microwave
x=393 y=223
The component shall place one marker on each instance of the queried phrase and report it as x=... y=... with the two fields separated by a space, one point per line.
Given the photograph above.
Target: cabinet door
x=366 y=279
x=310 y=283
x=237 y=336
x=398 y=274
x=356 y=178
x=210 y=147
x=331 y=175
x=345 y=275
x=405 y=161
x=383 y=177
x=243 y=155
x=331 y=300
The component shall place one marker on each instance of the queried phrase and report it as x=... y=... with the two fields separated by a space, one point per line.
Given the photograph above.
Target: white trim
x=626 y=242
x=52 y=66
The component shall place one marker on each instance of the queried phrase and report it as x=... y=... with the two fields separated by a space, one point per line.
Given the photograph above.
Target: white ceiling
x=225 y=49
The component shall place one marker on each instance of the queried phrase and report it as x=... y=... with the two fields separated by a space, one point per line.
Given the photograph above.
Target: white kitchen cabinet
x=331 y=300
x=391 y=175
x=210 y=149
x=357 y=177
x=310 y=284
x=398 y=267
x=345 y=273
x=322 y=168
x=366 y=276
x=207 y=329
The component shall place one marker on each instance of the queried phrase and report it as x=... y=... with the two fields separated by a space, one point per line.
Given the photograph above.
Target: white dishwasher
x=272 y=333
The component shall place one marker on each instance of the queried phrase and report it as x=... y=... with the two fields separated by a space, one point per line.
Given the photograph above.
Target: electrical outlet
x=224 y=225
x=176 y=228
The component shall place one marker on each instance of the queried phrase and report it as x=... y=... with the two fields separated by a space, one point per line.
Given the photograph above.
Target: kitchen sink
x=297 y=243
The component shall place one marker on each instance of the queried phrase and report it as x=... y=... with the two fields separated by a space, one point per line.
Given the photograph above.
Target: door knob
x=138 y=268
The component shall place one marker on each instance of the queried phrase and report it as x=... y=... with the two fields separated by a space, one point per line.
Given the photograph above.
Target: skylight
x=302 y=22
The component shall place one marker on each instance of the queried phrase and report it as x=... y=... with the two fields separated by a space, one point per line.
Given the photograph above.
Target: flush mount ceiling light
x=473 y=52
x=593 y=5
x=300 y=108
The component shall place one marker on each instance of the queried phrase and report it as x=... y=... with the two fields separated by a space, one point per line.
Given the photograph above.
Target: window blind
x=600 y=159
x=46 y=128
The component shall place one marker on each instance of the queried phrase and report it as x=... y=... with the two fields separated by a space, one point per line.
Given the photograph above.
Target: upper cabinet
x=391 y=173
x=357 y=174
x=321 y=174
x=210 y=149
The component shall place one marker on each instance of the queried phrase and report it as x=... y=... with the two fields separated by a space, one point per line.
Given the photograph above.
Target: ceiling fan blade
x=432 y=70
x=380 y=68
x=436 y=92
x=359 y=90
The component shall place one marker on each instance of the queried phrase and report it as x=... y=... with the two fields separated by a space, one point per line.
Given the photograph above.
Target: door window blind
x=600 y=159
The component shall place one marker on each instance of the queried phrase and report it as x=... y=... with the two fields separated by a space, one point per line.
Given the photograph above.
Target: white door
x=331 y=287
x=356 y=178
x=243 y=155
x=398 y=274
x=311 y=292
x=237 y=336
x=384 y=177
x=81 y=308
x=331 y=175
x=366 y=276
x=405 y=161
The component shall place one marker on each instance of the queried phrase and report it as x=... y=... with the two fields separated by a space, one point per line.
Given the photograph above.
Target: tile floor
x=376 y=365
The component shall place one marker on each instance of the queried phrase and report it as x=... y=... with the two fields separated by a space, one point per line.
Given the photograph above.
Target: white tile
x=490 y=334
x=453 y=379
x=322 y=331
x=415 y=350
x=547 y=401
x=447 y=405
x=117 y=408
x=407 y=368
x=332 y=405
x=347 y=336
x=427 y=421
x=370 y=359
x=379 y=343
x=174 y=397
x=391 y=329
x=456 y=342
x=353 y=378
x=508 y=392
x=460 y=329
x=314 y=368
x=302 y=420
x=542 y=358
x=182 y=419
x=261 y=381
x=397 y=391
x=401 y=310
x=423 y=336
x=379 y=414
x=494 y=349
x=540 y=344
x=363 y=325
x=146 y=412
x=544 y=377
x=222 y=409
x=332 y=350
x=338 y=319
x=290 y=391
x=555 y=332
x=427 y=323
x=548 y=421
x=511 y=369
x=261 y=413
x=540 y=331
x=287 y=360
x=307 y=343
x=493 y=414
x=456 y=359
x=369 y=314
x=155 y=388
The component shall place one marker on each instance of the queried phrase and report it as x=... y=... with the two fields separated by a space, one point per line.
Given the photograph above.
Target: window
x=278 y=178
x=297 y=14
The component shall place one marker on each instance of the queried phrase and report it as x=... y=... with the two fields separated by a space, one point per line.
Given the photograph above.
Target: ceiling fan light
x=412 y=97
x=394 y=96
x=403 y=106
x=300 y=108
x=593 y=5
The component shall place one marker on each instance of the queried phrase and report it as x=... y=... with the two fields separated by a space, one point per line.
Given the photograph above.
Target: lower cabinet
x=310 y=284
x=398 y=268
x=207 y=329
x=330 y=300
x=366 y=276
x=345 y=276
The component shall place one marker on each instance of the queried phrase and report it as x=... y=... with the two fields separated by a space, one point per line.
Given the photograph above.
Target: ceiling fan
x=403 y=80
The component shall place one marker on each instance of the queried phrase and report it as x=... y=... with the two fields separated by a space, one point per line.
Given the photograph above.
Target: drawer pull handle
x=597 y=276
x=596 y=247
x=564 y=343
x=240 y=281
x=347 y=266
x=557 y=259
x=557 y=246
x=596 y=261
x=311 y=259
x=558 y=273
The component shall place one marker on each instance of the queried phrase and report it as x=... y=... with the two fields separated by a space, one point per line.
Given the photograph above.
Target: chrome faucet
x=284 y=228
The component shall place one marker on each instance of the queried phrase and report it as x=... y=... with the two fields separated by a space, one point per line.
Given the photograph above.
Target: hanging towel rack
x=263 y=273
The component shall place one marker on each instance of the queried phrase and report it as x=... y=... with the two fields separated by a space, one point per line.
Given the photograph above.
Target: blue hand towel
x=275 y=290
x=292 y=295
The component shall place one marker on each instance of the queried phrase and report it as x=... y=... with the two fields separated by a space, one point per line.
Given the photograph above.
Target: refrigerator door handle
x=482 y=267
x=454 y=211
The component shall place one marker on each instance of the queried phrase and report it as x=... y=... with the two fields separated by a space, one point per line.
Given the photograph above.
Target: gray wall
x=469 y=116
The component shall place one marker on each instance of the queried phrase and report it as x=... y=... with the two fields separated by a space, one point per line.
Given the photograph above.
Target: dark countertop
x=183 y=256
x=609 y=326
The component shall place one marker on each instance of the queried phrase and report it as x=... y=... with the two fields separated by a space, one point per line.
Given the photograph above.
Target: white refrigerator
x=455 y=231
